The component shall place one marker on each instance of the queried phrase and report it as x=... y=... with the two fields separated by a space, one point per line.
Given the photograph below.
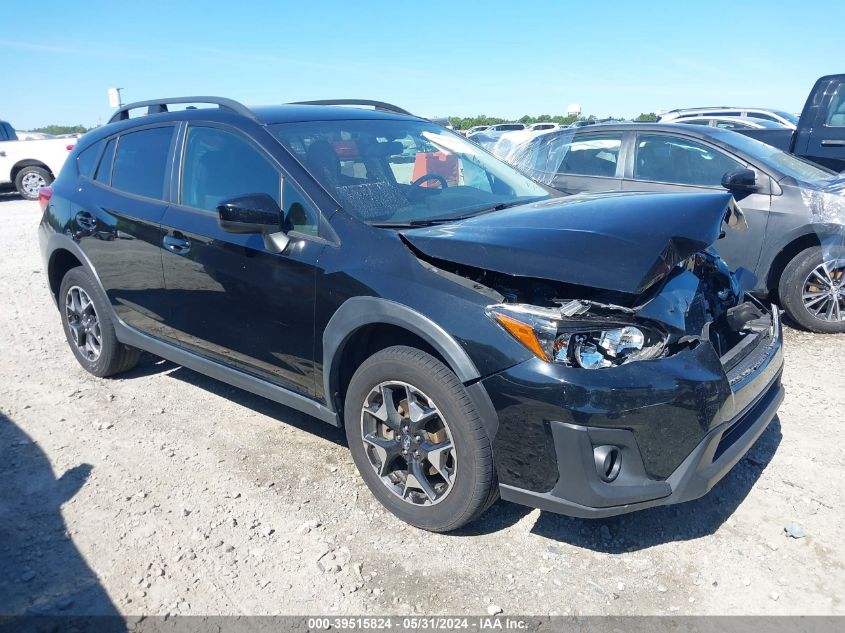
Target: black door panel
x=236 y=302
x=121 y=237
x=119 y=227
x=233 y=299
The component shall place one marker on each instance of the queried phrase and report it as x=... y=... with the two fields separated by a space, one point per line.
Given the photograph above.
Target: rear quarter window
x=104 y=169
x=87 y=160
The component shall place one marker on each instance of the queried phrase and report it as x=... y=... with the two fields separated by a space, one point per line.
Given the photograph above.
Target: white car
x=732 y=122
x=32 y=136
x=509 y=140
x=30 y=164
x=778 y=116
x=475 y=128
x=543 y=126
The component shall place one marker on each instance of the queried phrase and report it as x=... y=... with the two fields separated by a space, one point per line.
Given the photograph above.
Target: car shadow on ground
x=646 y=528
x=150 y=365
x=43 y=573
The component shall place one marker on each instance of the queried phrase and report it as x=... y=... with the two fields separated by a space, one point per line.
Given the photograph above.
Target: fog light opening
x=608 y=462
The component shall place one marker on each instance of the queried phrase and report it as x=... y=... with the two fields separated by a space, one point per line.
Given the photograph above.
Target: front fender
x=360 y=311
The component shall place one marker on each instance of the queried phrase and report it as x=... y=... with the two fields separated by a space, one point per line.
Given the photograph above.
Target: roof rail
x=156 y=106
x=378 y=105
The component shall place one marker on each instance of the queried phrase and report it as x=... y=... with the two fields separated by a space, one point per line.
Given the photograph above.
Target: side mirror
x=740 y=180
x=251 y=213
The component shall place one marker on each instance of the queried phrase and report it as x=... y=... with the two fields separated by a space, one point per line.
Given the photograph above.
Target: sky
x=432 y=58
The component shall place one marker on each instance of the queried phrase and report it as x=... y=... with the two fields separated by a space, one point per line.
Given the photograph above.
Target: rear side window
x=104 y=169
x=87 y=159
x=595 y=155
x=140 y=162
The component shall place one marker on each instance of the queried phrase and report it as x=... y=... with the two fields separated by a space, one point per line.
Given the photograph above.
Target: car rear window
x=87 y=159
x=140 y=162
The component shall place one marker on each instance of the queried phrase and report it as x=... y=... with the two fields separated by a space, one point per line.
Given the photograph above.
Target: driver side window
x=219 y=165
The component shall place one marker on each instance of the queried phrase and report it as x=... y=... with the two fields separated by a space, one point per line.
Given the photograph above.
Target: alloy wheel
x=824 y=291
x=83 y=323
x=408 y=443
x=32 y=182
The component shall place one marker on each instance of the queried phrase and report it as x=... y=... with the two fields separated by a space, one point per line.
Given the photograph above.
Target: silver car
x=795 y=210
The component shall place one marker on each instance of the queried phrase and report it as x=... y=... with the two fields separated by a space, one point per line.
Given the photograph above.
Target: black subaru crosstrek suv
x=475 y=334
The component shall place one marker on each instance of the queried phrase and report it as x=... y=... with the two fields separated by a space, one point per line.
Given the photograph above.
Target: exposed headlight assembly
x=573 y=338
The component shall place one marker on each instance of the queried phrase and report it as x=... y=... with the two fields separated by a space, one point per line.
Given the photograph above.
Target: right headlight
x=576 y=339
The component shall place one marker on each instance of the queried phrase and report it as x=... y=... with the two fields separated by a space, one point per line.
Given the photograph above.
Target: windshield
x=787 y=164
x=399 y=172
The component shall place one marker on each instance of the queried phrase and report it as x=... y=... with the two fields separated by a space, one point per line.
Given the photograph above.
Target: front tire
x=88 y=326
x=812 y=289
x=30 y=179
x=418 y=440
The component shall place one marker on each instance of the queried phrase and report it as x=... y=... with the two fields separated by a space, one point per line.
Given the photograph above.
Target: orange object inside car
x=437 y=163
x=346 y=150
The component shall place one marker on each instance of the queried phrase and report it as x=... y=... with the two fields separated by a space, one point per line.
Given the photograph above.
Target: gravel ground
x=164 y=491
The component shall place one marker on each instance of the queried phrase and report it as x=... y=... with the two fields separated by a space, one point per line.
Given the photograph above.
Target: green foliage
x=465 y=123
x=61 y=129
x=647 y=116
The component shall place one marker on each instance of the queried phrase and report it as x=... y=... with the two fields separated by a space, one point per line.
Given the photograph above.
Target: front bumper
x=679 y=425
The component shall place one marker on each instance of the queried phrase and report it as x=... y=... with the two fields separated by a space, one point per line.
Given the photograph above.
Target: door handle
x=828 y=142
x=2 y=154
x=176 y=243
x=86 y=221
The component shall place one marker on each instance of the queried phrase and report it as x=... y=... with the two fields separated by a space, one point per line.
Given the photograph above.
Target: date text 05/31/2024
x=418 y=624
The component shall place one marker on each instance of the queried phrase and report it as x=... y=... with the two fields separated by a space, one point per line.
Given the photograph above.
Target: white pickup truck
x=30 y=165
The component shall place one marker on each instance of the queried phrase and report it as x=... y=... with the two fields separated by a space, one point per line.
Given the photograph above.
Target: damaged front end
x=629 y=406
x=638 y=393
x=699 y=301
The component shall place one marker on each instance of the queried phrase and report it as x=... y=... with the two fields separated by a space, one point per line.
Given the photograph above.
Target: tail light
x=70 y=147
x=44 y=195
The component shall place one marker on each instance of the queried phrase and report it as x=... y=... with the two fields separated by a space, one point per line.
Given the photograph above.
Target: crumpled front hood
x=619 y=242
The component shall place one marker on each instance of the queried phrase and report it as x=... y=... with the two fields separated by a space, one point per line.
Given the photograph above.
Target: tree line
x=55 y=130
x=464 y=123
x=459 y=123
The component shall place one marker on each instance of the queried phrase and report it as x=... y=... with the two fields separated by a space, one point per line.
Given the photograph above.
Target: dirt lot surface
x=164 y=491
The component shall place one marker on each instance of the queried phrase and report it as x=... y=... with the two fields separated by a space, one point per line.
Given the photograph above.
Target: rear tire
x=30 y=179
x=469 y=486
x=89 y=329
x=803 y=277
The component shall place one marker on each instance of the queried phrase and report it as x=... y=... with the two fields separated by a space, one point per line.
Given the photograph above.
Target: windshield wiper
x=495 y=207
x=457 y=218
